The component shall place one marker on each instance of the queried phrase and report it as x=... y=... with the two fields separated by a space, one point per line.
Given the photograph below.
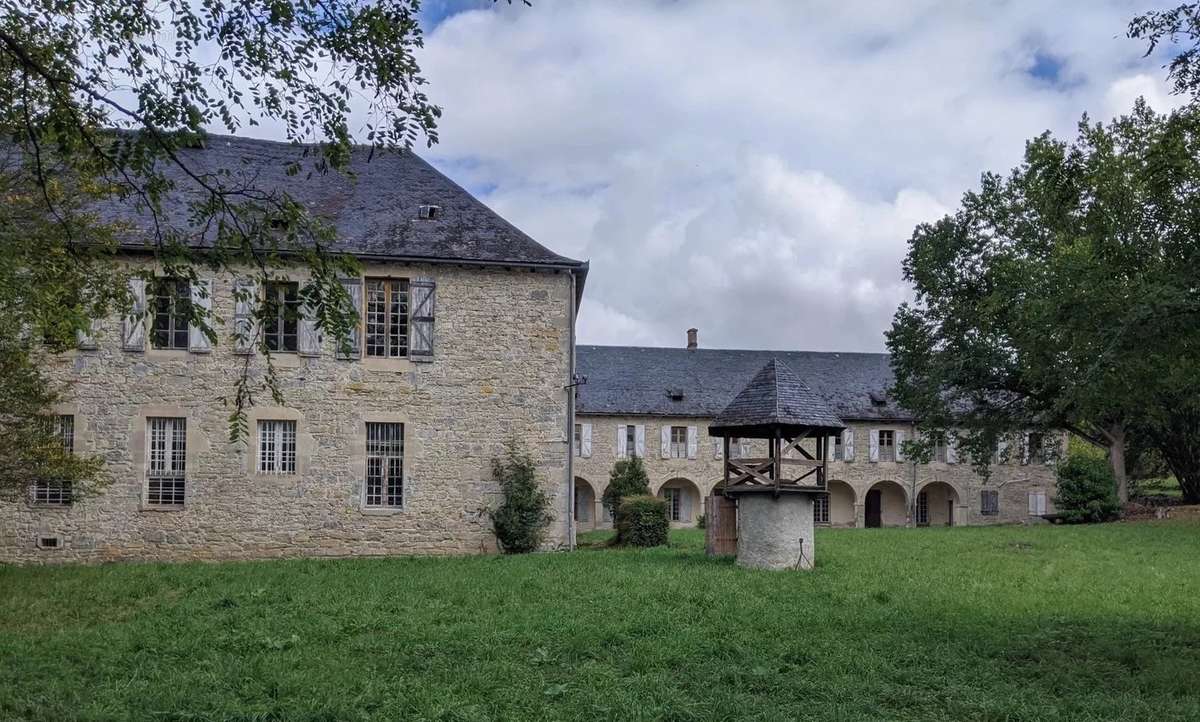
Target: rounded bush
x=642 y=521
x=1086 y=490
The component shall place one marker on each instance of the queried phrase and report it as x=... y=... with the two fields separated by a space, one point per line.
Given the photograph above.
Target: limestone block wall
x=953 y=491
x=501 y=361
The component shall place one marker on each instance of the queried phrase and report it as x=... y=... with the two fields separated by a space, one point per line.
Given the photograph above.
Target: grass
x=1008 y=623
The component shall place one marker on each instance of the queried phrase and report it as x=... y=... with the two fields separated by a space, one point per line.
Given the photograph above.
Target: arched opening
x=683 y=501
x=886 y=504
x=585 y=504
x=835 y=508
x=936 y=504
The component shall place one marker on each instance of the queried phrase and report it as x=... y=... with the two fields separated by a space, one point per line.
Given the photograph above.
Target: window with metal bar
x=276 y=447
x=281 y=330
x=820 y=508
x=172 y=307
x=989 y=502
x=922 y=509
x=679 y=442
x=57 y=493
x=167 y=468
x=385 y=465
x=887 y=445
x=387 y=317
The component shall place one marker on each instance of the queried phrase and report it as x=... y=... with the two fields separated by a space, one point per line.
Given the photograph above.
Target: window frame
x=821 y=505
x=282 y=455
x=47 y=492
x=839 y=448
x=887 y=451
x=168 y=487
x=285 y=311
x=577 y=441
x=679 y=448
x=181 y=296
x=391 y=336
x=921 y=513
x=389 y=452
x=673 y=496
x=986 y=509
x=630 y=441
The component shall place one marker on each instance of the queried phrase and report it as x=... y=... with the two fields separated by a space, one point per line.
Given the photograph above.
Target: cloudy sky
x=755 y=169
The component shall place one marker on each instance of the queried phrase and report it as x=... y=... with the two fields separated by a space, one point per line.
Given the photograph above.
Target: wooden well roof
x=776 y=398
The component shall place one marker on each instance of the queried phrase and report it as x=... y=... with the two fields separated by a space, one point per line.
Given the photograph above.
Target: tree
x=521 y=519
x=98 y=97
x=627 y=478
x=1177 y=26
x=1064 y=296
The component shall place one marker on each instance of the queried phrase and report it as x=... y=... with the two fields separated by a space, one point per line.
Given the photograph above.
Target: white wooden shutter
x=421 y=294
x=308 y=342
x=133 y=330
x=86 y=338
x=830 y=447
x=1037 y=503
x=899 y=440
x=354 y=289
x=718 y=448
x=622 y=450
x=848 y=445
x=202 y=299
x=640 y=437
x=585 y=440
x=874 y=452
x=245 y=297
x=693 y=442
x=666 y=442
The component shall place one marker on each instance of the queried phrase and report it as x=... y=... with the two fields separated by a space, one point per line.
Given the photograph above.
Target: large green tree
x=1178 y=27
x=1066 y=295
x=97 y=97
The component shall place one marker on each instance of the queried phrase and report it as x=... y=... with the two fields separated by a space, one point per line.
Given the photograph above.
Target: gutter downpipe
x=570 y=430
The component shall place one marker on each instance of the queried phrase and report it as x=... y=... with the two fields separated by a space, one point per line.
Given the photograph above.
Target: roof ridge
x=734 y=350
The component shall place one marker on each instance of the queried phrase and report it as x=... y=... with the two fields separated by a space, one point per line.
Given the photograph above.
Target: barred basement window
x=387 y=317
x=276 y=447
x=172 y=304
x=168 y=461
x=887 y=445
x=989 y=502
x=385 y=465
x=821 y=508
x=679 y=442
x=281 y=330
x=57 y=493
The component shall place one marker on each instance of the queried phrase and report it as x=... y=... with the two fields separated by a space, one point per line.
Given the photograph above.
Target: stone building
x=465 y=342
x=658 y=403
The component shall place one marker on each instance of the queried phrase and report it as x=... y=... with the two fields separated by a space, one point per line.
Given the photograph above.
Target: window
x=630 y=441
x=578 y=449
x=387 y=318
x=839 y=451
x=1035 y=451
x=1037 y=503
x=821 y=508
x=989 y=502
x=57 y=493
x=679 y=442
x=740 y=448
x=172 y=308
x=941 y=452
x=922 y=509
x=887 y=445
x=276 y=447
x=283 y=316
x=168 y=461
x=674 y=507
x=385 y=465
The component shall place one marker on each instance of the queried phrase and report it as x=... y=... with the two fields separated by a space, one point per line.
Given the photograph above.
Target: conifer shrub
x=521 y=520
x=642 y=521
x=627 y=478
x=1086 y=490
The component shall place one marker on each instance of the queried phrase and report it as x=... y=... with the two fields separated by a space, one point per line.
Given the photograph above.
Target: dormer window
x=675 y=394
x=429 y=213
x=878 y=398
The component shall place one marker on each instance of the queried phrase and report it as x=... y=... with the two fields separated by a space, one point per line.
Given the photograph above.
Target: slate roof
x=776 y=396
x=374 y=208
x=634 y=381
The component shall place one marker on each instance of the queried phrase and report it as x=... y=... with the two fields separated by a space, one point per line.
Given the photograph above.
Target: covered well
x=775 y=494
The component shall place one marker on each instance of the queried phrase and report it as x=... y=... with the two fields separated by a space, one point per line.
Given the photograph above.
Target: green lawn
x=1008 y=623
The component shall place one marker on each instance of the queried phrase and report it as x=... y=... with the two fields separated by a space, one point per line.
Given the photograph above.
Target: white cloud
x=755 y=169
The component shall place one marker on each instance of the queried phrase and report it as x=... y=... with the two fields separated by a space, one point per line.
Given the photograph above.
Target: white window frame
x=387 y=447
x=679 y=448
x=277 y=447
x=577 y=441
x=166 y=461
x=887 y=452
x=46 y=492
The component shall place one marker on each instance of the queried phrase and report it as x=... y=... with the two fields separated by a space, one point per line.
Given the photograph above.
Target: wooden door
x=874 y=509
x=720 y=526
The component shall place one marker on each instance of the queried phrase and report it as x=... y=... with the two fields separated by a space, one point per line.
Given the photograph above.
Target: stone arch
x=886 y=503
x=683 y=500
x=842 y=499
x=937 y=504
x=586 y=504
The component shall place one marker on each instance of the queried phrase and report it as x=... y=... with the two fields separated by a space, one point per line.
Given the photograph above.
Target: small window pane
x=821 y=508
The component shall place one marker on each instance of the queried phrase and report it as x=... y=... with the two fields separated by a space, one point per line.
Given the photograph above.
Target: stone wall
x=500 y=365
x=952 y=490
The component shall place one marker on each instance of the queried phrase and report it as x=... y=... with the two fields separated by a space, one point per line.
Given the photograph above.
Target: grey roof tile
x=633 y=380
x=776 y=396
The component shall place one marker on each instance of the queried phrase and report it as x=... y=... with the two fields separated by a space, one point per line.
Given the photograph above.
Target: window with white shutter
x=171 y=304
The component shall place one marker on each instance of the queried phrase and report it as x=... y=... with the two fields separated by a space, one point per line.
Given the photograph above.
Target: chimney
x=692 y=344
